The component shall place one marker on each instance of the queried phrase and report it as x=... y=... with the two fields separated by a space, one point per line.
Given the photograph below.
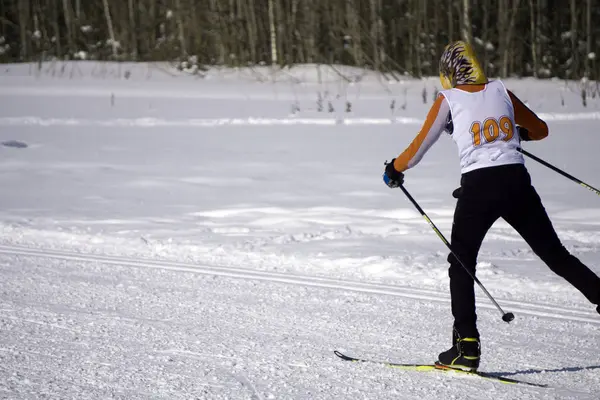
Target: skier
x=482 y=117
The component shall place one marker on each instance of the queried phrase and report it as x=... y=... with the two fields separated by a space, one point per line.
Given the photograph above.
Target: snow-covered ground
x=170 y=236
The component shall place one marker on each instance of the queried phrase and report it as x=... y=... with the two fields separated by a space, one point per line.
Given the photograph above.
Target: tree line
x=541 y=38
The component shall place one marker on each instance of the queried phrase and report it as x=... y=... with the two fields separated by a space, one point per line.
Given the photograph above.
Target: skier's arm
x=434 y=125
x=535 y=128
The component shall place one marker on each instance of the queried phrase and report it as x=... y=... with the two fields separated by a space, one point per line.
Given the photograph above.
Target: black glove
x=523 y=133
x=449 y=124
x=457 y=192
x=391 y=177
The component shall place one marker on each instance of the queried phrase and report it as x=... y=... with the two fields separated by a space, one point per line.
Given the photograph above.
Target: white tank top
x=484 y=127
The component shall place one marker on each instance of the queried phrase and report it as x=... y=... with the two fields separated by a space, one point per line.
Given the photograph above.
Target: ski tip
x=342 y=356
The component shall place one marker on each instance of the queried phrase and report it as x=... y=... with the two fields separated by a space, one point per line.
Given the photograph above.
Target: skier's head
x=459 y=66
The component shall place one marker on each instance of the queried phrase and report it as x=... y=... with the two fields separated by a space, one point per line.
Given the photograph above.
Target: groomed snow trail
x=93 y=326
x=167 y=237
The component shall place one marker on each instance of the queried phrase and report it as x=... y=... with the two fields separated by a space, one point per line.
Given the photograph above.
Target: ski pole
x=506 y=317
x=563 y=173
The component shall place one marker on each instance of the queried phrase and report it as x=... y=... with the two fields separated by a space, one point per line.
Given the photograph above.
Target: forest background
x=540 y=38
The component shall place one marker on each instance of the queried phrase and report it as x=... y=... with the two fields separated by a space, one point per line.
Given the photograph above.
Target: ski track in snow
x=539 y=310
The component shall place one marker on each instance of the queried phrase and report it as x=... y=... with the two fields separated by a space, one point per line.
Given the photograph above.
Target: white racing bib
x=484 y=127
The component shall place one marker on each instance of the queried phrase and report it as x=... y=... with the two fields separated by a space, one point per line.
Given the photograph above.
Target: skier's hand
x=457 y=192
x=449 y=124
x=523 y=133
x=391 y=177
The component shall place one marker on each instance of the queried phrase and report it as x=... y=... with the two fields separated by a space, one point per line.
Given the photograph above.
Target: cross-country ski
x=435 y=367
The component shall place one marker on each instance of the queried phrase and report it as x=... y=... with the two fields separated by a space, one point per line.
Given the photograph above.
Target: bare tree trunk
x=151 y=34
x=198 y=41
x=295 y=34
x=272 y=32
x=412 y=40
x=574 y=67
x=23 y=24
x=280 y=27
x=486 y=38
x=353 y=31
x=417 y=39
x=180 y=30
x=242 y=33
x=69 y=25
x=588 y=47
x=111 y=32
x=377 y=34
x=431 y=27
x=292 y=34
x=56 y=27
x=324 y=12
x=133 y=30
x=395 y=52
x=436 y=30
x=145 y=33
x=533 y=27
x=467 y=34
x=506 y=23
x=450 y=23
x=234 y=40
x=310 y=28
x=538 y=31
x=35 y=43
x=252 y=31
x=218 y=30
x=380 y=33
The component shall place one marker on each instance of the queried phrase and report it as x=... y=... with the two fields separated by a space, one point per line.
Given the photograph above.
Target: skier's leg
x=529 y=218
x=472 y=219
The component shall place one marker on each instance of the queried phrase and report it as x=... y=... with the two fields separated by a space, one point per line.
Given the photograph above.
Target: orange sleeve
x=433 y=127
x=526 y=118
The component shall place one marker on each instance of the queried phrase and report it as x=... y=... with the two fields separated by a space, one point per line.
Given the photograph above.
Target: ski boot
x=463 y=355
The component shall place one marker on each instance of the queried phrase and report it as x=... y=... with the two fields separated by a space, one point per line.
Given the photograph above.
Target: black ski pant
x=505 y=192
